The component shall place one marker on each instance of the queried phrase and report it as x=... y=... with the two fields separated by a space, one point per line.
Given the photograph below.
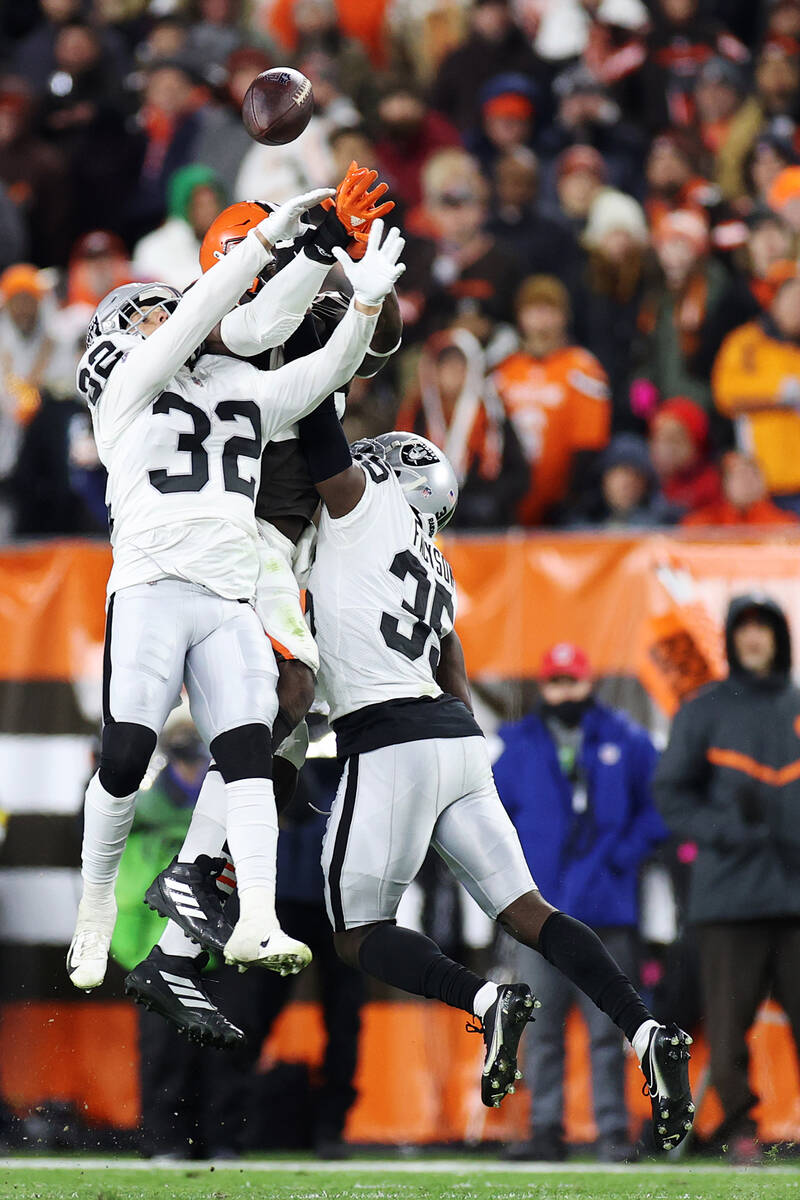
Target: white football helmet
x=122 y=310
x=428 y=480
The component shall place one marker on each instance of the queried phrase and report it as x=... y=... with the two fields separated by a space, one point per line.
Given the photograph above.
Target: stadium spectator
x=214 y=37
x=458 y=271
x=726 y=784
x=673 y=177
x=453 y=407
x=169 y=123
x=83 y=110
x=222 y=140
x=35 y=59
x=542 y=244
x=775 y=98
x=575 y=777
x=756 y=383
x=495 y=44
x=626 y=494
x=681 y=41
x=580 y=177
x=408 y=133
x=718 y=94
x=507 y=120
x=587 y=116
x=744 y=500
x=195 y=196
x=673 y=315
x=679 y=447
x=611 y=290
x=350 y=143
x=764 y=264
x=35 y=177
x=556 y=396
x=318 y=28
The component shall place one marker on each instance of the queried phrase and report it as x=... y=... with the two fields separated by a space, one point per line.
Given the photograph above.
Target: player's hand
x=379 y=270
x=283 y=222
x=356 y=205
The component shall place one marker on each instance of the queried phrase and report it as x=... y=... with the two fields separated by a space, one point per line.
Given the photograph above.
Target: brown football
x=277 y=106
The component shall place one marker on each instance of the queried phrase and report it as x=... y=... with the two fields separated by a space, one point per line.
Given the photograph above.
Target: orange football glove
x=357 y=207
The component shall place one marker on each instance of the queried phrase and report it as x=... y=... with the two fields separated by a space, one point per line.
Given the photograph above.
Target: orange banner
x=650 y=607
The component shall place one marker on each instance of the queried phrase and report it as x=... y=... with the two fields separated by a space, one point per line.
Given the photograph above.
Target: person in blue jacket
x=575 y=778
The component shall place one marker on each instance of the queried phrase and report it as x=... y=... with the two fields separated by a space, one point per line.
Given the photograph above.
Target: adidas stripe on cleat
x=502 y=1027
x=665 y=1065
x=188 y=893
x=173 y=987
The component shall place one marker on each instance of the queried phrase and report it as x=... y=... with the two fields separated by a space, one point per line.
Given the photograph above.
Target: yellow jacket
x=756 y=381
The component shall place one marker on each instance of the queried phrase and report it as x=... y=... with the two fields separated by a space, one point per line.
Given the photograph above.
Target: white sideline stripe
x=39 y=905
x=43 y=773
x=366 y=1166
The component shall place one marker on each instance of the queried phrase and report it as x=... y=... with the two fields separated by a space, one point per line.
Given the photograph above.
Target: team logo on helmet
x=416 y=454
x=93 y=331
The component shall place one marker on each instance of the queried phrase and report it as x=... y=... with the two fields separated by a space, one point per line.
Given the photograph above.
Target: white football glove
x=374 y=276
x=283 y=222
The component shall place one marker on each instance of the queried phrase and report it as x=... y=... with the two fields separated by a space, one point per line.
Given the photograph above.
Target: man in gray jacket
x=729 y=781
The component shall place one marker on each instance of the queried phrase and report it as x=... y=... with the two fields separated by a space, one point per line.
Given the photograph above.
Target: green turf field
x=396 y=1181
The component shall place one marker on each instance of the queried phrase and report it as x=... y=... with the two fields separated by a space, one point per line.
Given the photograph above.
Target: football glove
x=357 y=207
x=379 y=270
x=283 y=222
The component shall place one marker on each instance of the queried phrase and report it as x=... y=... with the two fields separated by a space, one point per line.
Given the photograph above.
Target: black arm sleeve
x=323 y=442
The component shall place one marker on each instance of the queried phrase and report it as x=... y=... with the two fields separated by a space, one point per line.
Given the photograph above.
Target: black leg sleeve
x=576 y=950
x=412 y=962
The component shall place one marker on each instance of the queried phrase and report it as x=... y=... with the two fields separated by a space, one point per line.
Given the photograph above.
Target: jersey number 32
x=192 y=442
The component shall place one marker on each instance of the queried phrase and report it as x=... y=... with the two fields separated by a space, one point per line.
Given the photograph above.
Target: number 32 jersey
x=382 y=597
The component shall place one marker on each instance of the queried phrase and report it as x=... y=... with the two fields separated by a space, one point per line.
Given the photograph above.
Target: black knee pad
x=126 y=750
x=244 y=753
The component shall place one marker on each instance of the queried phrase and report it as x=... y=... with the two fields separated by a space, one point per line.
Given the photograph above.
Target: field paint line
x=455 y=1166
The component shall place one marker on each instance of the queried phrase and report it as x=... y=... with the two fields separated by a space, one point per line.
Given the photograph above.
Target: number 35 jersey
x=382 y=598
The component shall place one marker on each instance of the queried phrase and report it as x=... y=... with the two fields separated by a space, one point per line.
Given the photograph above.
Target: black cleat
x=173 y=987
x=187 y=893
x=502 y=1027
x=665 y=1065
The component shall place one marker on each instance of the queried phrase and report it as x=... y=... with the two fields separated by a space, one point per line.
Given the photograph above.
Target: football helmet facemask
x=124 y=309
x=428 y=480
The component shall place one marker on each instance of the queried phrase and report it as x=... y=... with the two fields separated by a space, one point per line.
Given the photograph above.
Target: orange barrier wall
x=418 y=1074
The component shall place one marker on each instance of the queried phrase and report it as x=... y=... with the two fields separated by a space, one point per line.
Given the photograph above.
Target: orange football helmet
x=230 y=227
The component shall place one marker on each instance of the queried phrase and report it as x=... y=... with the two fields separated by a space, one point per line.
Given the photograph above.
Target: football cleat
x=187 y=893
x=173 y=987
x=251 y=946
x=665 y=1065
x=87 y=957
x=502 y=1027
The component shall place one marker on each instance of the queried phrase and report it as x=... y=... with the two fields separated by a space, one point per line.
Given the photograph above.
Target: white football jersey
x=183 y=458
x=382 y=597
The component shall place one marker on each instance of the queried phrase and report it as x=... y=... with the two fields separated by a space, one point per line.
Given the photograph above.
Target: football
x=277 y=106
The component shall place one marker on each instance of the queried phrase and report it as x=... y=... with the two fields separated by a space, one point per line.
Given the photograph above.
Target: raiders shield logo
x=416 y=454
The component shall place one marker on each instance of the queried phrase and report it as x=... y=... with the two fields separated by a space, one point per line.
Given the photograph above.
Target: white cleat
x=251 y=946
x=87 y=957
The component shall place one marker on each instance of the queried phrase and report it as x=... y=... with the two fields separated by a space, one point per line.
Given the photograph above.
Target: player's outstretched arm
x=451 y=674
x=212 y=296
x=293 y=391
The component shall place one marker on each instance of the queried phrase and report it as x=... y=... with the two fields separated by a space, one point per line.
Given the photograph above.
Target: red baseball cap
x=565 y=659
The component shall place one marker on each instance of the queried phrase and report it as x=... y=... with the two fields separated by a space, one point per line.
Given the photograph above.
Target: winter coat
x=729 y=781
x=586 y=864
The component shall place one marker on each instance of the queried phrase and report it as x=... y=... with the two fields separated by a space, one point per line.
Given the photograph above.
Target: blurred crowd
x=602 y=206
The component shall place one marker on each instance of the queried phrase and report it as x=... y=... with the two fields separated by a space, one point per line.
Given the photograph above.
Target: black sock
x=284 y=782
x=576 y=950
x=412 y=962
